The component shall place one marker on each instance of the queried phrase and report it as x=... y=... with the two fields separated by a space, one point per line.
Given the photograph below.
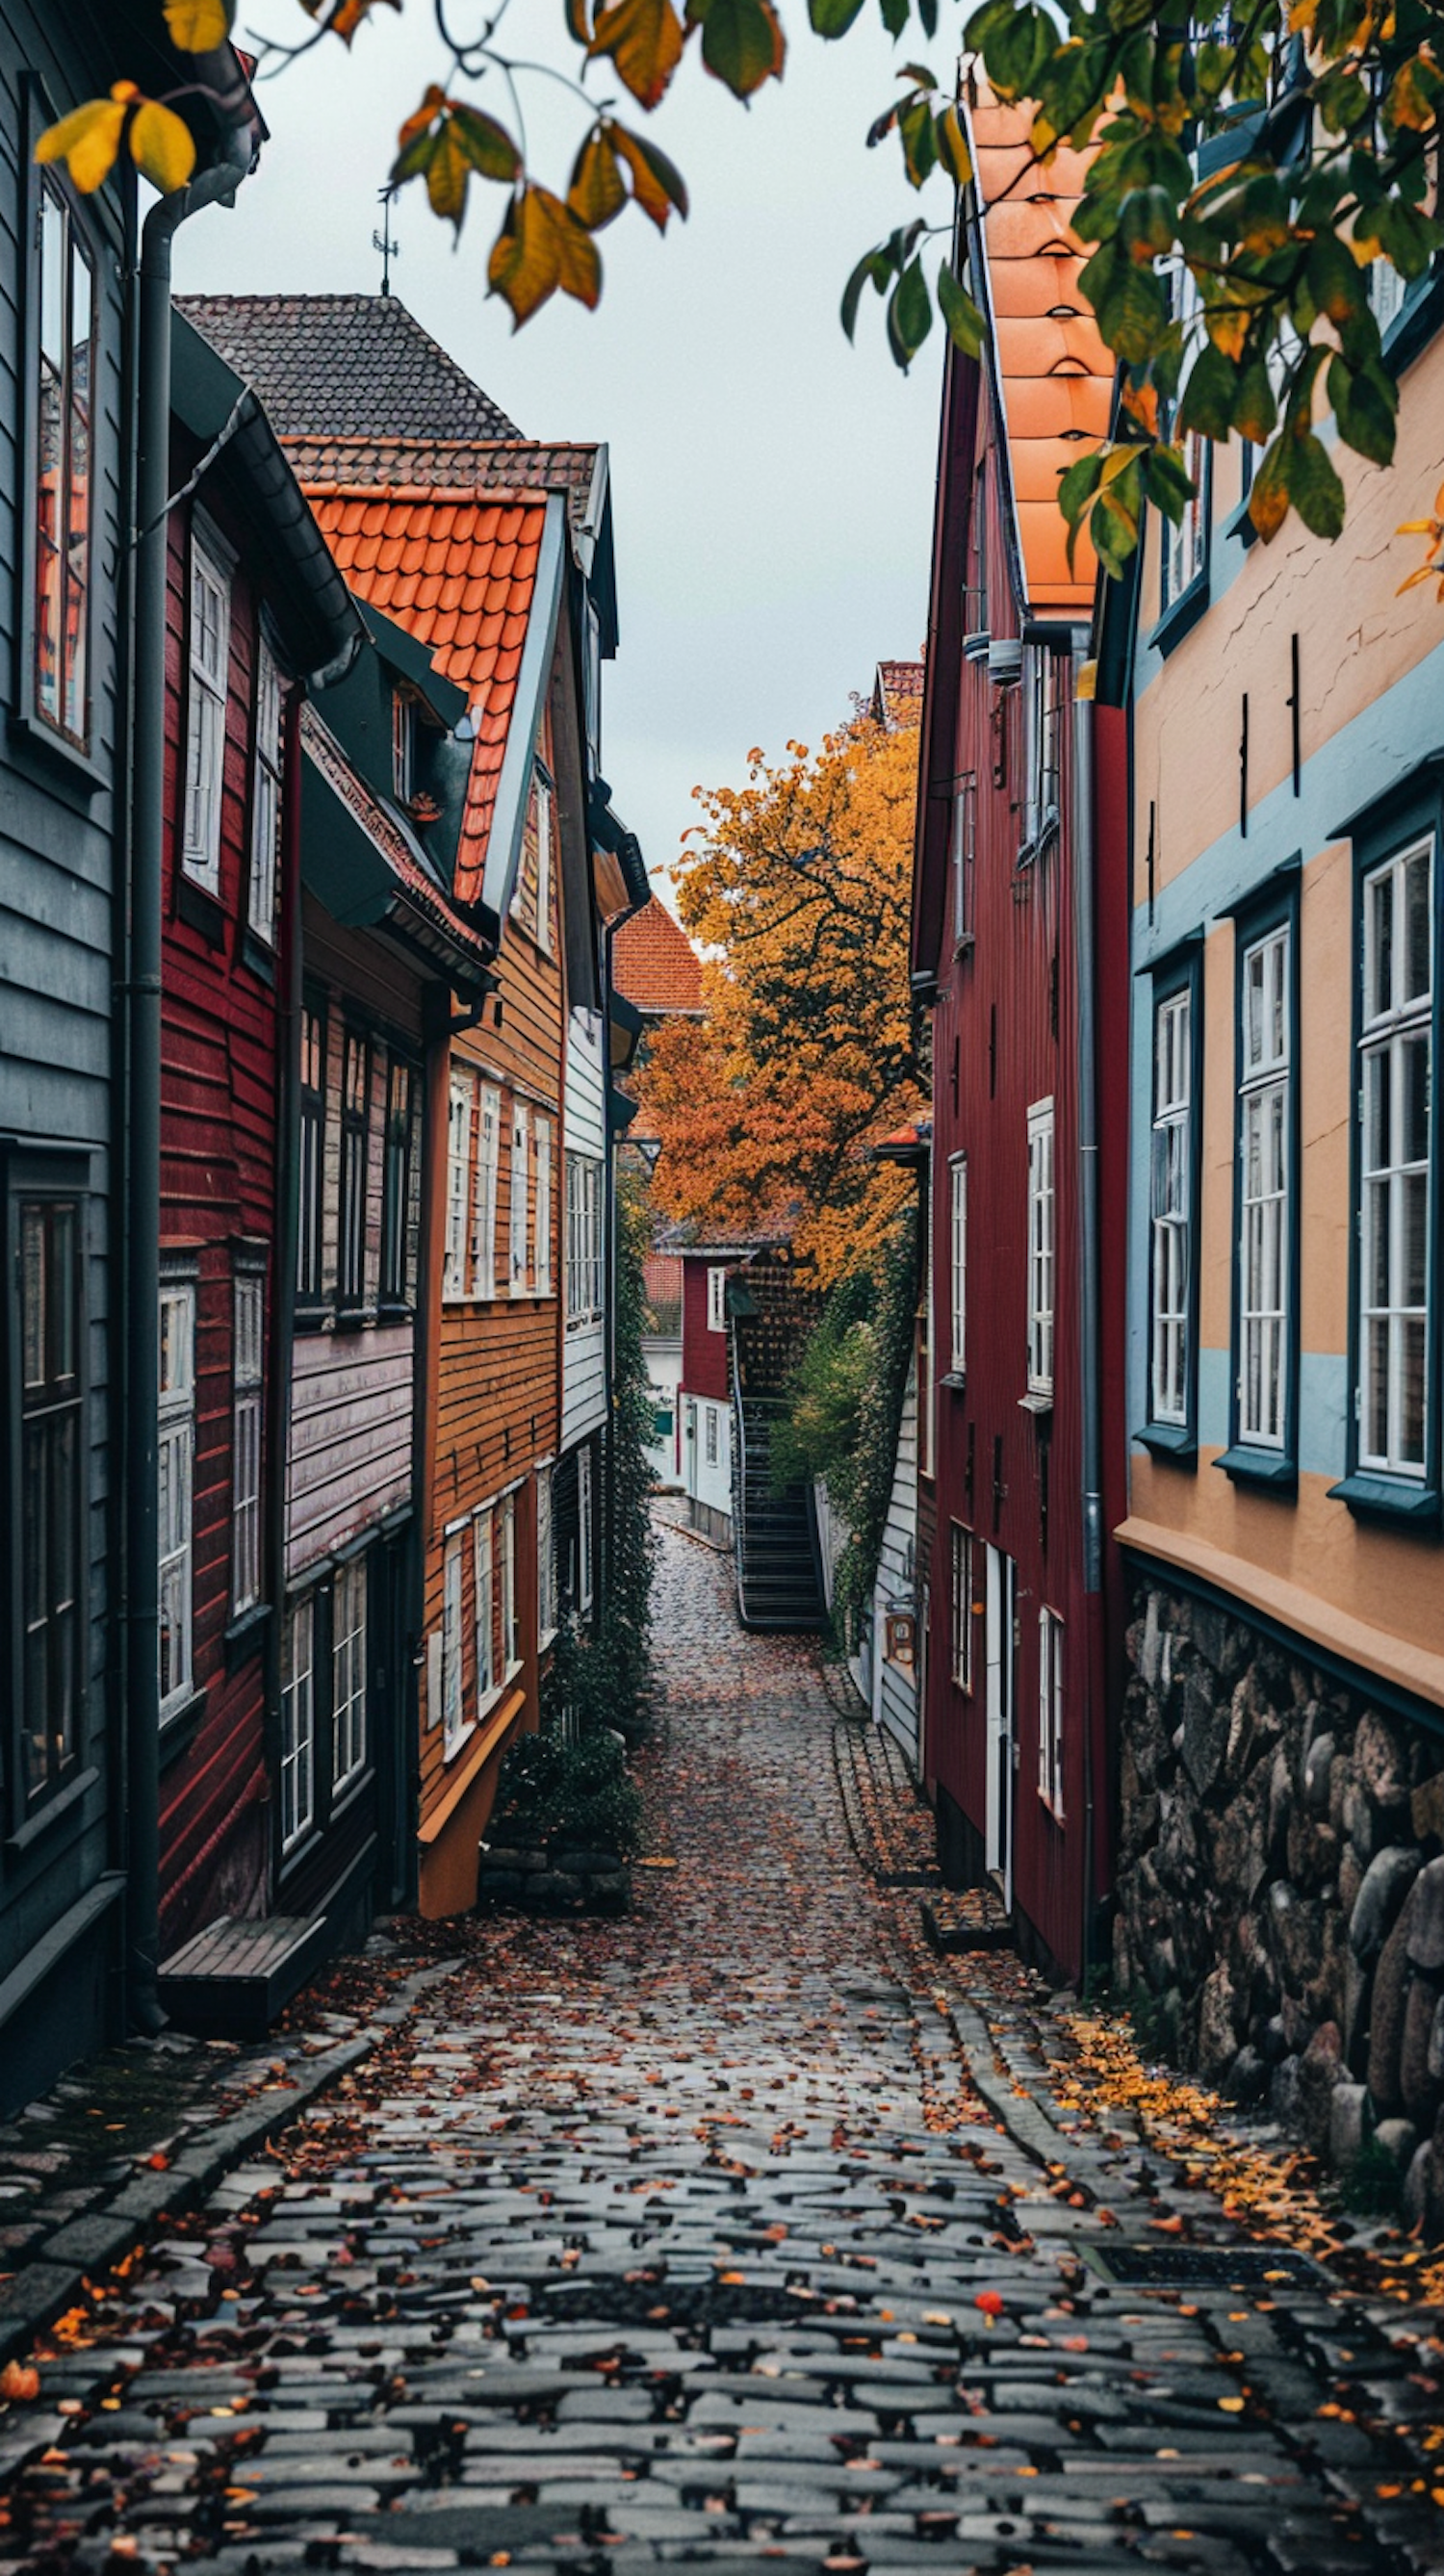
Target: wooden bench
x=231 y=1980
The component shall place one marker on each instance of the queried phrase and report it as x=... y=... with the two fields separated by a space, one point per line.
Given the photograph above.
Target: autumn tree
x=1248 y=169
x=798 y=885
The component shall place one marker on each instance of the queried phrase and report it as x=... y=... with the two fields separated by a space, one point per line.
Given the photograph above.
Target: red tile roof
x=459 y=574
x=897 y=697
x=655 y=965
x=475 y=464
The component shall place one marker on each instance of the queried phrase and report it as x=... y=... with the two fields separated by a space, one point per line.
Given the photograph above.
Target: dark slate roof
x=345 y=366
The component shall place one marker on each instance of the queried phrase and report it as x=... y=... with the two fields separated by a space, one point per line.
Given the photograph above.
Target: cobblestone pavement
x=688 y=2240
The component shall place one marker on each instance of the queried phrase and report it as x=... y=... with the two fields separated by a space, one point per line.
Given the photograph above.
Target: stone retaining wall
x=559 y=1880
x=1280 y=1926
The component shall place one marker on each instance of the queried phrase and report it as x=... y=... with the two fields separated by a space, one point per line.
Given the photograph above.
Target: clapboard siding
x=897 y=1702
x=584 y=1126
x=58 y=966
x=350 y=1460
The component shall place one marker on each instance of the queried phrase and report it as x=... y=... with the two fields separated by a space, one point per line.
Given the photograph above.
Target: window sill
x=246 y=1632
x=346 y=1791
x=61 y=1802
x=355 y=1319
x=307 y=1841
x=197 y=905
x=1037 y=1400
x=957 y=1379
x=311 y=1319
x=1178 y=619
x=55 y=752
x=394 y=1311
x=1174 y=1440
x=259 y=955
x=460 y=1741
x=1390 y=1498
x=1270 y=1468
x=178 y=1730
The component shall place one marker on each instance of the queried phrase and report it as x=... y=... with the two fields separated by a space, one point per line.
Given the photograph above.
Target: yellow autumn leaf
x=447 y=175
x=197 y=26
x=88 y=140
x=162 y=146
x=644 y=39
x=597 y=192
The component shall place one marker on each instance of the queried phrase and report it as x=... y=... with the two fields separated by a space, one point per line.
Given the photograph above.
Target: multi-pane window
x=175 y=1465
x=1041 y=1251
x=546 y=1573
x=716 y=1301
x=975 y=597
x=210 y=644
x=510 y=1611
x=453 y=1718
x=1264 y=1183
x=542 y=1241
x=958 y=1264
x=1171 y=1210
x=709 y=1433
x=1044 y=719
x=396 y=1186
x=961 y=1571
x=584 y=1531
x=962 y=857
x=51 y=1521
x=485 y=1599
x=584 y=1237
x=517 y=1227
x=265 y=796
x=298 y=1722
x=488 y=1155
x=403 y=746
x=545 y=829
x=351 y=1244
x=1396 y=1081
x=311 y=1158
x=1050 y=1709
x=63 y=469
x=1185 y=548
x=247 y=1374
x=458 y=1177
x=348 y=1674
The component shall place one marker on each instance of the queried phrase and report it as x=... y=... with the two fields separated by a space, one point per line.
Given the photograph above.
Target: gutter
x=1089 y=1355
x=141 y=1674
x=634 y=871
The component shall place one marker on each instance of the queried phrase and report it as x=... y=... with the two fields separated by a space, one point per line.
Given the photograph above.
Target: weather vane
x=383 y=241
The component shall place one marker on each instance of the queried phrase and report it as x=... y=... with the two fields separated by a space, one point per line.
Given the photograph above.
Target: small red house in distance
x=1020 y=1450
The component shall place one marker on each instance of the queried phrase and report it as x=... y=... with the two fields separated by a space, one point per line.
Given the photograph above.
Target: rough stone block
x=1386 y=2021
x=1247 y=2080
x=1379 y=1761
x=1426 y=1809
x=1399 y=2139
x=1426 y=1924
x=1205 y=1728
x=1420 y=2089
x=1417 y=2185
x=1385 y=1884
x=1217 y=2032
x=1317 y=1765
x=1346 y=2123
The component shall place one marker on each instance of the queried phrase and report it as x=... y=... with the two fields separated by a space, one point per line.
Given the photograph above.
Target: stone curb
x=55 y=2278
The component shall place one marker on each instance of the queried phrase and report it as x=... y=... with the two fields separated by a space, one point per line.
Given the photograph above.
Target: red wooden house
x=1012 y=906
x=256 y=611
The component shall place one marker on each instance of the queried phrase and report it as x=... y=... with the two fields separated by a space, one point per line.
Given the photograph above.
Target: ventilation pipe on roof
x=141 y=1678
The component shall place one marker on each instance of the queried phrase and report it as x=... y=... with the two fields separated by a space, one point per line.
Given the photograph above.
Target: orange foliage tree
x=798 y=887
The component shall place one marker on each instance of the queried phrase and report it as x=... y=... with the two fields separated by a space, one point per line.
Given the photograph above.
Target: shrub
x=553 y=1791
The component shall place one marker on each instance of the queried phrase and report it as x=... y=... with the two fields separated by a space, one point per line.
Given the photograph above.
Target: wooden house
x=77 y=1094
x=496 y=555
x=257 y=612
x=1013 y=904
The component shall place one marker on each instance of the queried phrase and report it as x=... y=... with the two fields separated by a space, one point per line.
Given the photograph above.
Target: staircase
x=779 y=1567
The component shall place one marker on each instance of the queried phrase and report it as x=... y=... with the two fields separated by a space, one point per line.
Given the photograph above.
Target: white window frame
x=248 y=1346
x=958 y=1264
x=960 y=1568
x=175 y=1467
x=1050 y=1711
x=1042 y=1247
x=483 y=1543
x=709 y=1434
x=206 y=695
x=1170 y=1285
x=584 y=1532
x=488 y=1165
x=454 y=1729
x=1043 y=711
x=962 y=858
x=517 y=1213
x=542 y=1235
x=298 y=1722
x=1184 y=557
x=585 y=1250
x=511 y=1656
x=546 y=1570
x=545 y=822
x=717 y=1301
x=1395 y=1025
x=927 y=1404
x=1265 y=1186
x=348 y=1674
x=458 y=1186
x=266 y=757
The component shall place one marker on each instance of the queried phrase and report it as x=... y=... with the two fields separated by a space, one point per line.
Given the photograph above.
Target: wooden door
x=1002 y=1669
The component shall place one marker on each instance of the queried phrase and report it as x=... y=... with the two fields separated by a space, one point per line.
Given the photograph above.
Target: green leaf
x=1336 y=281
x=1114 y=531
x=965 y=323
x=919 y=140
x=1169 y=484
x=832 y=18
x=895 y=15
x=867 y=267
x=909 y=314
x=742 y=42
x=1363 y=410
x=1132 y=311
x=657 y=184
x=487 y=145
x=1315 y=489
x=1209 y=394
x=1255 y=411
x=952 y=146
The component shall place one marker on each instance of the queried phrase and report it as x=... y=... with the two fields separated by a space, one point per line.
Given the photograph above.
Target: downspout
x=142 y=1359
x=611 y=1232
x=1085 y=974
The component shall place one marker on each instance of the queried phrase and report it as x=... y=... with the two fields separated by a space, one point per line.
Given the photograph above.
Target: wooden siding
x=898 y=1581
x=584 y=1131
x=58 y=967
x=704 y=1353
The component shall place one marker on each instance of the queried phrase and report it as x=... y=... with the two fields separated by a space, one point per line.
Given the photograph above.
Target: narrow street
x=676 y=2240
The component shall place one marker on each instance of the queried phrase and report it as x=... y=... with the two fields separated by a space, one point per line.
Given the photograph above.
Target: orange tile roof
x=654 y=964
x=459 y=574
x=1055 y=376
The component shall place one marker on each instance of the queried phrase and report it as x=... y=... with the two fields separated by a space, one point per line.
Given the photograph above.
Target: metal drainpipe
x=142 y=1527
x=1092 y=1496
x=611 y=1233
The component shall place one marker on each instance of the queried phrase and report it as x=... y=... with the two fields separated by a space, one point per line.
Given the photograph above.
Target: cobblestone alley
x=685 y=2240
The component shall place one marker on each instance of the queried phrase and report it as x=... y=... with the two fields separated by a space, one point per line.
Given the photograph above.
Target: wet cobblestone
x=690 y=2240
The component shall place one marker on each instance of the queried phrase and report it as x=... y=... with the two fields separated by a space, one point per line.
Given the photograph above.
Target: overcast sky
x=772 y=487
